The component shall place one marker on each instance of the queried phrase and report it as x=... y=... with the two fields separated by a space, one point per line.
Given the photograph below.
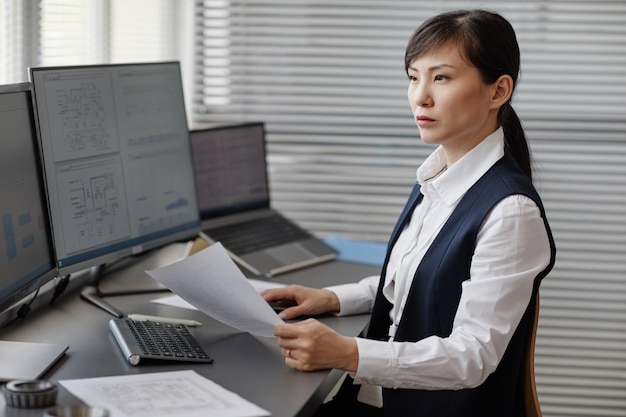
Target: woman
x=450 y=311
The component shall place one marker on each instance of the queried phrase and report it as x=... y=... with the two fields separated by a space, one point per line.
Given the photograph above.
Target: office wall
x=327 y=77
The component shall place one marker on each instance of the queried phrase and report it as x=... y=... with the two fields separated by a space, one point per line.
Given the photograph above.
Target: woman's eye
x=440 y=77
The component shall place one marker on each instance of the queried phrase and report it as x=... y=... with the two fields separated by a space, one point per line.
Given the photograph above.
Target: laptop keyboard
x=257 y=234
x=150 y=340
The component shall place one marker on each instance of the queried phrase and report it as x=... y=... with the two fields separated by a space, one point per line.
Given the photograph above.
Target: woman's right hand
x=302 y=301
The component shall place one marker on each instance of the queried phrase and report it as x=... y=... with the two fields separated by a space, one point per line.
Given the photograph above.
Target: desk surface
x=250 y=366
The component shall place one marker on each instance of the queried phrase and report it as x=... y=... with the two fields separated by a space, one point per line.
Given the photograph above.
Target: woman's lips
x=423 y=121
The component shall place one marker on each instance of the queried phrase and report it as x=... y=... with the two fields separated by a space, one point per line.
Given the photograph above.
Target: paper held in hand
x=210 y=281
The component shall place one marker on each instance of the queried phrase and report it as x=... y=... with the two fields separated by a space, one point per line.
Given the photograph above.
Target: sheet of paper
x=178 y=393
x=261 y=285
x=173 y=301
x=176 y=301
x=212 y=282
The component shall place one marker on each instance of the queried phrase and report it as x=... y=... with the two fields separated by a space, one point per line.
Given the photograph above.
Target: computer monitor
x=117 y=161
x=26 y=257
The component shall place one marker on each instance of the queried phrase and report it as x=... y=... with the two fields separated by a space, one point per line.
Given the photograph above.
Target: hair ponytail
x=515 y=138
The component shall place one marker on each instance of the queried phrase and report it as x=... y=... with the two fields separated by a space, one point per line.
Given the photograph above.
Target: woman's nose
x=420 y=96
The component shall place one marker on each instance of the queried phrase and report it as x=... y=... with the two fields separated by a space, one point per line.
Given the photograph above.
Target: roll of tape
x=30 y=393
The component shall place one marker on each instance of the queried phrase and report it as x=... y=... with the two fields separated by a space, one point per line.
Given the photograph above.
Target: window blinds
x=77 y=32
x=18 y=43
x=142 y=30
x=327 y=77
x=73 y=32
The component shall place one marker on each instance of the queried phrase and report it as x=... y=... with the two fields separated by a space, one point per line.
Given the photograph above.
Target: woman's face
x=451 y=104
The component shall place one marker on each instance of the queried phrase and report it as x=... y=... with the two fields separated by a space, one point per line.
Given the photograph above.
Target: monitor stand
x=91 y=291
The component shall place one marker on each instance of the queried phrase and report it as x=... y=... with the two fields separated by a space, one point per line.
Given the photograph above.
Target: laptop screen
x=230 y=169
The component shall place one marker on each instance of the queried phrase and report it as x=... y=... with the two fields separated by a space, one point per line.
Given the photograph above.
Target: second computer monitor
x=26 y=257
x=117 y=159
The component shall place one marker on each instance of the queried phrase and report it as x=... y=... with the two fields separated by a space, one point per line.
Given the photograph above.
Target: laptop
x=230 y=170
x=27 y=360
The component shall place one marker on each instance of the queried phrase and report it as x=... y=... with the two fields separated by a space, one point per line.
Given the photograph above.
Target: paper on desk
x=210 y=281
x=179 y=393
x=176 y=301
x=173 y=301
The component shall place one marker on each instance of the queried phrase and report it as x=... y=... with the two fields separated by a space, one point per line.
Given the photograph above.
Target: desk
x=250 y=366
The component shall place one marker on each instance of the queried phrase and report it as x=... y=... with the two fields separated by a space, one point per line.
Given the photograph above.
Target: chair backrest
x=531 y=399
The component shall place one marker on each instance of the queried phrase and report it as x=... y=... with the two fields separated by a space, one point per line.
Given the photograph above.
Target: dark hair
x=488 y=42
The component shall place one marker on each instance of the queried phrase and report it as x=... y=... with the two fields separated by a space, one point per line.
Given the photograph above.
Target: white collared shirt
x=493 y=300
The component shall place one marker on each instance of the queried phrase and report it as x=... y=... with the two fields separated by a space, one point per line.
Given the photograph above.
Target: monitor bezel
x=27 y=285
x=130 y=247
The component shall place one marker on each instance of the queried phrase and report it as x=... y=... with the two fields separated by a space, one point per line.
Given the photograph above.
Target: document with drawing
x=162 y=394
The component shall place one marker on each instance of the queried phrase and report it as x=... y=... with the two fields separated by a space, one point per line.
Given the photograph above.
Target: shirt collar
x=451 y=183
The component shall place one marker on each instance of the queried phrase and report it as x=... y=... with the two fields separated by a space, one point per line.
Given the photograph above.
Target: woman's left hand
x=309 y=345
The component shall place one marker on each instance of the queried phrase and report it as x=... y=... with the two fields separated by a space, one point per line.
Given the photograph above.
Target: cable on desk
x=25 y=308
x=59 y=288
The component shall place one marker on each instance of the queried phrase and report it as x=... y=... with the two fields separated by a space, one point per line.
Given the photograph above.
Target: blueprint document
x=167 y=394
x=210 y=281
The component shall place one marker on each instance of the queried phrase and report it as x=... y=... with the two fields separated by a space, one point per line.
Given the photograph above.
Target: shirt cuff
x=377 y=363
x=353 y=299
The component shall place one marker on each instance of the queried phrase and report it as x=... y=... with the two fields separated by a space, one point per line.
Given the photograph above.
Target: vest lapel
x=379 y=323
x=415 y=197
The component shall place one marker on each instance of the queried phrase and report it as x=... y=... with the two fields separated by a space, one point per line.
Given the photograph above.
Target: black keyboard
x=150 y=340
x=257 y=234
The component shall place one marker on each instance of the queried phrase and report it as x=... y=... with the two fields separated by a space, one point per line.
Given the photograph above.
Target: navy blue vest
x=434 y=297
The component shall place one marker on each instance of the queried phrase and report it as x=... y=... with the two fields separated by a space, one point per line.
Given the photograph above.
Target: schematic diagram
x=98 y=212
x=84 y=121
x=79 y=117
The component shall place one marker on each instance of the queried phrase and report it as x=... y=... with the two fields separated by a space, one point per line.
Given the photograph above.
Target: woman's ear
x=502 y=91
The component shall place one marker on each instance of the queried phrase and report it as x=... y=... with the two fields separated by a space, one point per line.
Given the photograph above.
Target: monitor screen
x=26 y=257
x=117 y=159
x=230 y=168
